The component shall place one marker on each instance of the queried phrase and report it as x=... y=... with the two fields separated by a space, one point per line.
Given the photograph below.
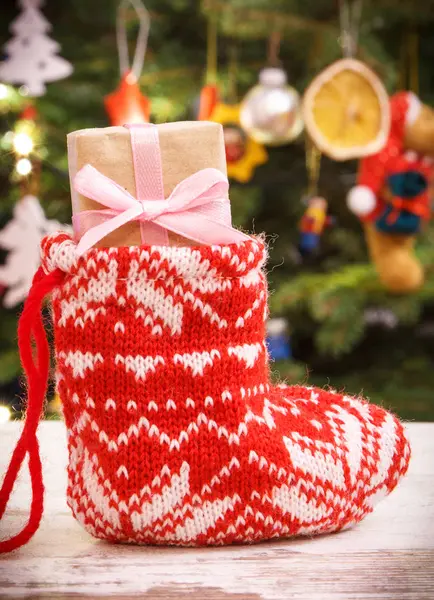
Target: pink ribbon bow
x=198 y=208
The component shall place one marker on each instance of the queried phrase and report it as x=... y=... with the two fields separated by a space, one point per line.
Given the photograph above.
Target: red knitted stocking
x=175 y=434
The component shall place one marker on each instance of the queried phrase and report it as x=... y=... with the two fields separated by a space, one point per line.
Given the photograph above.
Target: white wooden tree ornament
x=22 y=237
x=31 y=55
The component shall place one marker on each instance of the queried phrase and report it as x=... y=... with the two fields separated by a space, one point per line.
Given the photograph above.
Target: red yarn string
x=36 y=367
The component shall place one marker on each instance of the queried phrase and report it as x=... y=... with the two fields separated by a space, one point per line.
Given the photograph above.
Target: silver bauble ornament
x=270 y=113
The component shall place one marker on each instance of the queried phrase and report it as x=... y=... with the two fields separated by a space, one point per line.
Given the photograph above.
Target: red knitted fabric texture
x=175 y=434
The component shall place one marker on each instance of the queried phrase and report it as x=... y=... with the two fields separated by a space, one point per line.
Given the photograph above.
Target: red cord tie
x=36 y=367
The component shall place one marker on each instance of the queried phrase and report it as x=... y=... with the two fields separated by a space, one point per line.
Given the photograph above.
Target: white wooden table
x=388 y=556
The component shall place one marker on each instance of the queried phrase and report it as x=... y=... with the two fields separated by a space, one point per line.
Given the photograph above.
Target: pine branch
x=254 y=23
x=336 y=302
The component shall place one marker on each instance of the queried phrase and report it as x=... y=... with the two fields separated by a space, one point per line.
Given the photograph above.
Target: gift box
x=186 y=147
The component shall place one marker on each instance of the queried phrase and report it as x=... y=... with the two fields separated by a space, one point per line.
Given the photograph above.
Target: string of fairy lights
x=22 y=140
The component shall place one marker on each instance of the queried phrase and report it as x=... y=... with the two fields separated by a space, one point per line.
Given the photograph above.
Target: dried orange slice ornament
x=346 y=111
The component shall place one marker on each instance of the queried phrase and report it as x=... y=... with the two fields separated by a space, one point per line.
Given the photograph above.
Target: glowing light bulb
x=4 y=92
x=23 y=144
x=23 y=166
x=8 y=137
x=5 y=414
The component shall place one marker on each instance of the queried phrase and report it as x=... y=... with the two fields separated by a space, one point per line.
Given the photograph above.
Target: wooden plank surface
x=388 y=556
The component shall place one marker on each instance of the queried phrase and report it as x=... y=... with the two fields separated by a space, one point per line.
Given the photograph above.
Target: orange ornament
x=29 y=113
x=346 y=111
x=207 y=102
x=127 y=104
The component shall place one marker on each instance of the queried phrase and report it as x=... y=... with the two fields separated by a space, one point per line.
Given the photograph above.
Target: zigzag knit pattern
x=175 y=434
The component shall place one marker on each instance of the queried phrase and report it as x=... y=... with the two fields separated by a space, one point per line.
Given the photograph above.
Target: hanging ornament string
x=350 y=13
x=274 y=49
x=232 y=74
x=211 y=52
x=127 y=104
x=209 y=93
x=410 y=62
x=413 y=59
x=313 y=167
x=122 y=39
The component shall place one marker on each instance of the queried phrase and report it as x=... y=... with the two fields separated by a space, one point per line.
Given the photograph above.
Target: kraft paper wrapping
x=186 y=147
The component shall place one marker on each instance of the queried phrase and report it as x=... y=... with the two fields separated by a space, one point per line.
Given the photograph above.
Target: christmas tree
x=346 y=329
x=31 y=55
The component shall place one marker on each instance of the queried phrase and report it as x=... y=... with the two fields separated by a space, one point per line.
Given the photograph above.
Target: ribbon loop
x=198 y=208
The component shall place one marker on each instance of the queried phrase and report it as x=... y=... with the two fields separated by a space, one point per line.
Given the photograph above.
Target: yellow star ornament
x=243 y=154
